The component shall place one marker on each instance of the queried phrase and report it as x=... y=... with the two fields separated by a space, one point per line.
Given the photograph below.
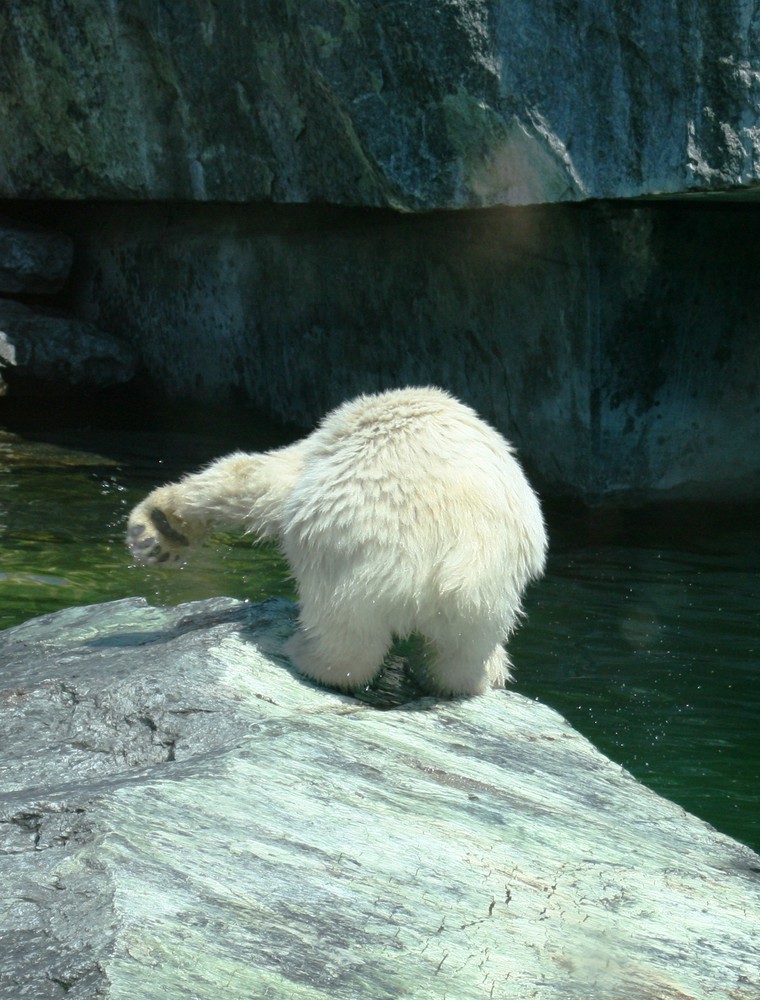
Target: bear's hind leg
x=466 y=661
x=343 y=656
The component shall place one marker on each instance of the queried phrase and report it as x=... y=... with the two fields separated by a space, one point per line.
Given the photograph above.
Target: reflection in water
x=645 y=637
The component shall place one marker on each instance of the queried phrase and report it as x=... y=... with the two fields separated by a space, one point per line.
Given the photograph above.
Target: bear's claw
x=161 y=523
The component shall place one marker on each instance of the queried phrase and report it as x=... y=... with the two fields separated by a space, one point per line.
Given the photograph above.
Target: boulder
x=181 y=814
x=449 y=104
x=32 y=260
x=47 y=348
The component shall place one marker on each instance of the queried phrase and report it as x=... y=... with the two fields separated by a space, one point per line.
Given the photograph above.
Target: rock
x=18 y=452
x=32 y=260
x=444 y=105
x=51 y=349
x=614 y=343
x=182 y=814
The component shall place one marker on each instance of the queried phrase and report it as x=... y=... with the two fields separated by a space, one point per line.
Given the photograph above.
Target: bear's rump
x=441 y=554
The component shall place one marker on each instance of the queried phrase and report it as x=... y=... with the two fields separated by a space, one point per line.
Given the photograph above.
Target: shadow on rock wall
x=616 y=344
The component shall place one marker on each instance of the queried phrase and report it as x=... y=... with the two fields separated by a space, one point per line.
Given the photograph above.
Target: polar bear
x=402 y=514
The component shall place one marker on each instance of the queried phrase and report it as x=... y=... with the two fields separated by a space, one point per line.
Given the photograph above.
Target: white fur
x=402 y=513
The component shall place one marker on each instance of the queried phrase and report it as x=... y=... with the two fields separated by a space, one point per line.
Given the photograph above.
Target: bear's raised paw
x=152 y=538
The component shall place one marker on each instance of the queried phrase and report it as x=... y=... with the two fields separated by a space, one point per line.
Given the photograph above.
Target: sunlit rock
x=182 y=815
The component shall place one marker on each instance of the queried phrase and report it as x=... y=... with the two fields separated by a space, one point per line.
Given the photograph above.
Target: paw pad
x=155 y=541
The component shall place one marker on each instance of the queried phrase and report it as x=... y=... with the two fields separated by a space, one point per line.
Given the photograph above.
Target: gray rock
x=32 y=260
x=182 y=815
x=50 y=348
x=448 y=104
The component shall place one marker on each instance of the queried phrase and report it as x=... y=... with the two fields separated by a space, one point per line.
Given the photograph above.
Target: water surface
x=644 y=632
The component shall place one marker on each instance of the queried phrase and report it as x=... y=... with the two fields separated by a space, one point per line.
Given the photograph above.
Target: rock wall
x=447 y=104
x=44 y=350
x=616 y=345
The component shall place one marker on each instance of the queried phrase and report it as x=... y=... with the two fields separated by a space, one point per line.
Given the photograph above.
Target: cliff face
x=447 y=104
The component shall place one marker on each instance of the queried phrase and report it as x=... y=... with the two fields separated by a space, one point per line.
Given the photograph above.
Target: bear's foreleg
x=162 y=528
x=239 y=491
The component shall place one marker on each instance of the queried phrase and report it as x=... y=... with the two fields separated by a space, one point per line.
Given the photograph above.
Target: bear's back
x=385 y=430
x=412 y=476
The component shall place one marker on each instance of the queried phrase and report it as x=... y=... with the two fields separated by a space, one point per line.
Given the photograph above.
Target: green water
x=644 y=633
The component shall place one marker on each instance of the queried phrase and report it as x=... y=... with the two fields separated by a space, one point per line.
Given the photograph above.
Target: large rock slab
x=182 y=815
x=450 y=103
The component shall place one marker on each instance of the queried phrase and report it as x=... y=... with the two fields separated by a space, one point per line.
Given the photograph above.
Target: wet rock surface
x=181 y=814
